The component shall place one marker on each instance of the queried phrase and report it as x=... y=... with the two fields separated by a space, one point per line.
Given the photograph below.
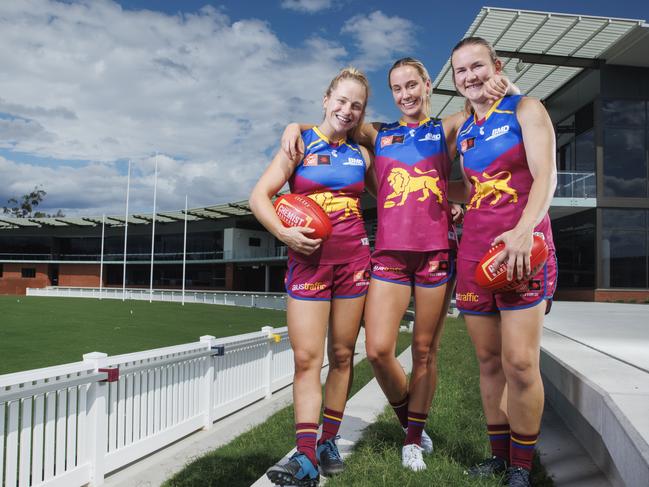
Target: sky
x=204 y=88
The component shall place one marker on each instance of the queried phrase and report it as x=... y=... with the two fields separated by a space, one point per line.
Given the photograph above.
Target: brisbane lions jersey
x=412 y=168
x=495 y=164
x=333 y=175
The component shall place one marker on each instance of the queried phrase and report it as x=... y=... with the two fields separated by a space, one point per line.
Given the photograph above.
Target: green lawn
x=246 y=458
x=39 y=332
x=455 y=423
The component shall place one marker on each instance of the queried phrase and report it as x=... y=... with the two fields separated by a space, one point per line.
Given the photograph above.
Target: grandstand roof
x=542 y=50
x=215 y=212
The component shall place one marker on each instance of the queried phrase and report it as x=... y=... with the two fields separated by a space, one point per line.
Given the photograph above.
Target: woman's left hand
x=518 y=248
x=457 y=213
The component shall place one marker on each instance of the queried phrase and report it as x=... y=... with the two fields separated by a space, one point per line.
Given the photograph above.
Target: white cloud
x=307 y=6
x=380 y=38
x=93 y=83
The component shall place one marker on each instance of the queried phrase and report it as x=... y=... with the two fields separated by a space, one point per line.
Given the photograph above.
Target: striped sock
x=499 y=438
x=401 y=410
x=522 y=450
x=330 y=424
x=305 y=439
x=416 y=423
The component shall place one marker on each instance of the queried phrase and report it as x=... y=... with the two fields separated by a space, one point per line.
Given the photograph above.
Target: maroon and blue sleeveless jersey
x=412 y=168
x=333 y=175
x=495 y=164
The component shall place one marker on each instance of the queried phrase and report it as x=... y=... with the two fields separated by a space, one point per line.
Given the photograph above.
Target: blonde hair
x=474 y=41
x=351 y=73
x=421 y=69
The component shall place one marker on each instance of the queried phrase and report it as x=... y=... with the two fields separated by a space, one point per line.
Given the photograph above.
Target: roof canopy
x=542 y=50
x=215 y=212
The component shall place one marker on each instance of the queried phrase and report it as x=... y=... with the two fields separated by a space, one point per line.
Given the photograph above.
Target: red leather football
x=296 y=210
x=495 y=280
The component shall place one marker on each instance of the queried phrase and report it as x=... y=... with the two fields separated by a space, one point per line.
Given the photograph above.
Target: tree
x=24 y=206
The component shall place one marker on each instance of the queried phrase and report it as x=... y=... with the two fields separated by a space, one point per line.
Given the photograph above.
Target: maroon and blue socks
x=499 y=439
x=305 y=439
x=330 y=424
x=416 y=423
x=522 y=450
x=401 y=410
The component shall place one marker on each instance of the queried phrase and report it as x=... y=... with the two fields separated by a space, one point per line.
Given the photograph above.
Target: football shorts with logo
x=473 y=299
x=328 y=281
x=424 y=269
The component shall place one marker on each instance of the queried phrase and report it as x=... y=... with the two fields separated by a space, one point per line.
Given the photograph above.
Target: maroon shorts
x=425 y=269
x=473 y=299
x=326 y=282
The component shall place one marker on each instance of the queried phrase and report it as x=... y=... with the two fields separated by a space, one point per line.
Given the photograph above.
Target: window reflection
x=624 y=248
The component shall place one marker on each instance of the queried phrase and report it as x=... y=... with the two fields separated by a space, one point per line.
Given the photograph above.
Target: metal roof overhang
x=215 y=212
x=542 y=51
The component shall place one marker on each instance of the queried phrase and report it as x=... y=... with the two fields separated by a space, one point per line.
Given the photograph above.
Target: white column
x=207 y=389
x=128 y=187
x=184 y=251
x=268 y=362
x=155 y=191
x=101 y=259
x=97 y=437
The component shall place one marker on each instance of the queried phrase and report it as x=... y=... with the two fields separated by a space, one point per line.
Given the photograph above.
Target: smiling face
x=344 y=108
x=473 y=65
x=410 y=92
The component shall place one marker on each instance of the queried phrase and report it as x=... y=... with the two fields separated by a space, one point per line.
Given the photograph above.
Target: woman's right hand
x=296 y=238
x=292 y=142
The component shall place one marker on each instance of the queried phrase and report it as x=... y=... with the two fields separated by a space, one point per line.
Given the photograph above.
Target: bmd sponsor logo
x=497 y=132
x=352 y=161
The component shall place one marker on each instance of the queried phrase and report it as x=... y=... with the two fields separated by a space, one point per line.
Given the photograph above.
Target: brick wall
x=81 y=275
x=12 y=281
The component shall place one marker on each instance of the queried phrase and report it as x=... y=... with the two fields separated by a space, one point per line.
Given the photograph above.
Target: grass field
x=242 y=461
x=455 y=423
x=38 y=332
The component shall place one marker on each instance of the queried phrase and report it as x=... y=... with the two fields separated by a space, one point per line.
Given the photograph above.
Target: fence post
x=97 y=437
x=207 y=388
x=268 y=362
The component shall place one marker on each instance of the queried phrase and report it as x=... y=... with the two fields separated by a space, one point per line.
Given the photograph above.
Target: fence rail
x=254 y=300
x=72 y=424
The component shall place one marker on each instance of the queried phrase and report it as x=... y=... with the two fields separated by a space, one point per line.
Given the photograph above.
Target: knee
x=521 y=369
x=341 y=357
x=378 y=353
x=424 y=354
x=305 y=360
x=489 y=362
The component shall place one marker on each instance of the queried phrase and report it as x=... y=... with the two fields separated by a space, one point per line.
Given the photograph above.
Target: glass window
x=574 y=239
x=625 y=162
x=28 y=272
x=585 y=152
x=630 y=113
x=624 y=248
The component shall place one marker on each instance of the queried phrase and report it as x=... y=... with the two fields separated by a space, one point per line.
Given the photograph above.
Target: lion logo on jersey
x=332 y=204
x=494 y=186
x=402 y=184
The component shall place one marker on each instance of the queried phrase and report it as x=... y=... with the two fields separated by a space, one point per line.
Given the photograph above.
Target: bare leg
x=343 y=332
x=521 y=344
x=485 y=334
x=307 y=328
x=386 y=302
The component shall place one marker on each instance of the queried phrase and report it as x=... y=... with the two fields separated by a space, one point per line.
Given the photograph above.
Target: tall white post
x=155 y=191
x=128 y=188
x=101 y=258
x=184 y=251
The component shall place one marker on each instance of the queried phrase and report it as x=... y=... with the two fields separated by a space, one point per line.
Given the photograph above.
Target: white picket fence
x=248 y=299
x=70 y=425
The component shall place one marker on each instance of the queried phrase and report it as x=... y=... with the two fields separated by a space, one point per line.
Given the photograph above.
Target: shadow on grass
x=218 y=470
